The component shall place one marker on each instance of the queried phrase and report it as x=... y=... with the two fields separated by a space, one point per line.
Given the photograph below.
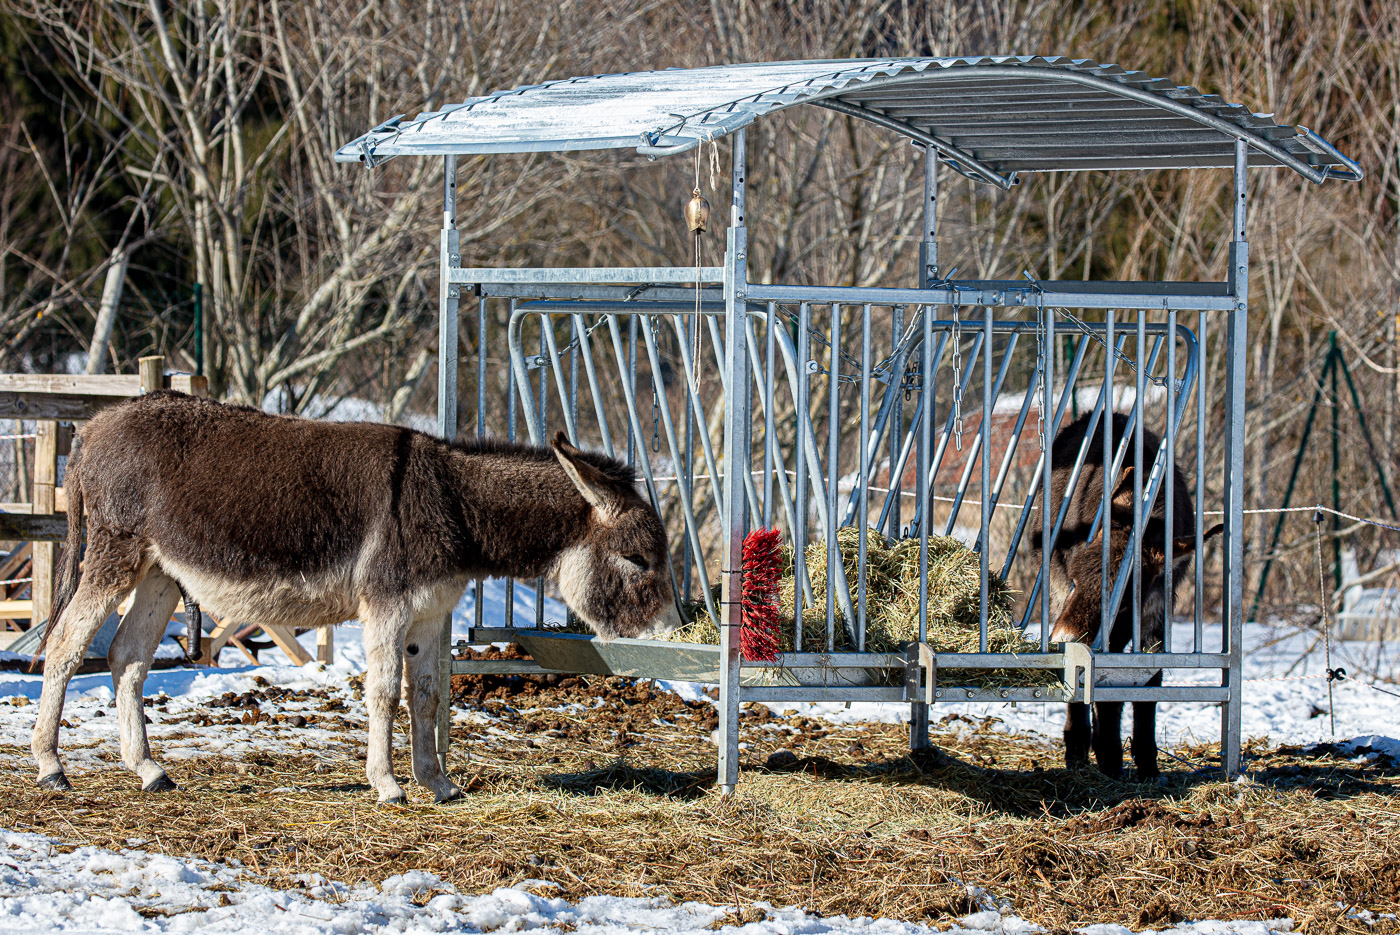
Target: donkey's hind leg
x=110 y=571
x=1076 y=735
x=1145 y=735
x=385 y=633
x=1108 y=737
x=421 y=682
x=130 y=657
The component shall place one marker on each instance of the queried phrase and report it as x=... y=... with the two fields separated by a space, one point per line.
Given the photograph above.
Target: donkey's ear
x=1188 y=543
x=1123 y=492
x=596 y=487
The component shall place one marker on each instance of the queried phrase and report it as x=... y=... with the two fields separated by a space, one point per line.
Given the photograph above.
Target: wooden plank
x=77 y=397
x=116 y=386
x=188 y=383
x=18 y=527
x=16 y=610
x=66 y=408
x=325 y=645
x=286 y=640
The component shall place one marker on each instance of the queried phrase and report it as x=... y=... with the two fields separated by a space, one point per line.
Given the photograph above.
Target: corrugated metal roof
x=990 y=116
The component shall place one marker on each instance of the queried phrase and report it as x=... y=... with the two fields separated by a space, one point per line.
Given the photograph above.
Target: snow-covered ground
x=46 y=885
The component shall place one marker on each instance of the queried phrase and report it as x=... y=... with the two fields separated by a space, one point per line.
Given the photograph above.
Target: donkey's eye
x=637 y=560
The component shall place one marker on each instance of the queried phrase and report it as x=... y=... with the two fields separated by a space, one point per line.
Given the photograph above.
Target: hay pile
x=892 y=605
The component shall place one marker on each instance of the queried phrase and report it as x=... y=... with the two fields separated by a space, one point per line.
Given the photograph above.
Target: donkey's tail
x=70 y=567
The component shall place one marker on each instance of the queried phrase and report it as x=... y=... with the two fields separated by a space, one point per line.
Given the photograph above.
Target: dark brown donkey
x=1076 y=574
x=283 y=520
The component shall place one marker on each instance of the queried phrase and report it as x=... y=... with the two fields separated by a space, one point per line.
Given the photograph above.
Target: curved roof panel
x=989 y=116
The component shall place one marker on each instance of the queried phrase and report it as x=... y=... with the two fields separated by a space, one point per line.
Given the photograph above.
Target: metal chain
x=1123 y=358
x=535 y=361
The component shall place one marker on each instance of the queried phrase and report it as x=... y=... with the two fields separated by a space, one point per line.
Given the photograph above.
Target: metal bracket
x=919 y=656
x=1079 y=658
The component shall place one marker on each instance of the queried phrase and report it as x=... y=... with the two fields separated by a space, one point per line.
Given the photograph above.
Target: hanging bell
x=697 y=212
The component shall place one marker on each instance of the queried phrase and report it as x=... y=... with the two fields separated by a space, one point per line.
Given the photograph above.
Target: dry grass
x=892 y=604
x=837 y=819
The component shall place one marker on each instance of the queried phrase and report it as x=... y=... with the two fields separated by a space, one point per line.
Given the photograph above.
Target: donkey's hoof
x=400 y=799
x=161 y=783
x=451 y=794
x=58 y=782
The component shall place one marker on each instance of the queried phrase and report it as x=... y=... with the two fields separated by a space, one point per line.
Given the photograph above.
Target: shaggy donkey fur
x=274 y=519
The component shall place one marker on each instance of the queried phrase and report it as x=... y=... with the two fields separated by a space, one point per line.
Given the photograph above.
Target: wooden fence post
x=151 y=370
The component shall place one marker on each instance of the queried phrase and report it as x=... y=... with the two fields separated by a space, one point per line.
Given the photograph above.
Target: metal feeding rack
x=808 y=380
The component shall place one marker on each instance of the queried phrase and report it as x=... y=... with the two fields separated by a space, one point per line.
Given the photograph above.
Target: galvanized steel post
x=447 y=412
x=736 y=466
x=1237 y=363
x=928 y=273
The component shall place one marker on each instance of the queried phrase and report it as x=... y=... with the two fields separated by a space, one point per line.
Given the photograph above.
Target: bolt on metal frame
x=796 y=487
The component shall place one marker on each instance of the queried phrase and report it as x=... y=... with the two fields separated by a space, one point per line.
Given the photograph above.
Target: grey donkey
x=292 y=521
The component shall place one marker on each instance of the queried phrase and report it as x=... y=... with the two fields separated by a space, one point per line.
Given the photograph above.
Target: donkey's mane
x=616 y=470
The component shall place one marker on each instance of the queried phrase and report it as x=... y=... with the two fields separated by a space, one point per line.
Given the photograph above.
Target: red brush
x=758 y=636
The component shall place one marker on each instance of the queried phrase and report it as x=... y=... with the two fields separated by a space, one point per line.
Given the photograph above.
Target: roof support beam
x=956 y=153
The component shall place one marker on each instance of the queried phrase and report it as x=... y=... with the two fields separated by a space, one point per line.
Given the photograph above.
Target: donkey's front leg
x=386 y=629
x=109 y=575
x=129 y=657
x=421 y=682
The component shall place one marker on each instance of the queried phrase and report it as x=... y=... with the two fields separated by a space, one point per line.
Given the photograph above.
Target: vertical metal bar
x=687 y=477
x=771 y=461
x=568 y=392
x=1047 y=441
x=1007 y=355
x=784 y=492
x=909 y=444
x=447 y=415
x=546 y=347
x=924 y=481
x=590 y=369
x=479 y=609
x=1139 y=513
x=736 y=467
x=985 y=441
x=1169 y=498
x=864 y=513
x=634 y=421
x=1109 y=482
x=692 y=533
x=698 y=412
x=918 y=710
x=1199 y=558
x=802 y=491
x=940 y=448
x=630 y=378
x=928 y=273
x=575 y=330
x=833 y=473
x=928 y=247
x=1072 y=483
x=1033 y=488
x=891 y=524
x=1236 y=364
x=508 y=619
